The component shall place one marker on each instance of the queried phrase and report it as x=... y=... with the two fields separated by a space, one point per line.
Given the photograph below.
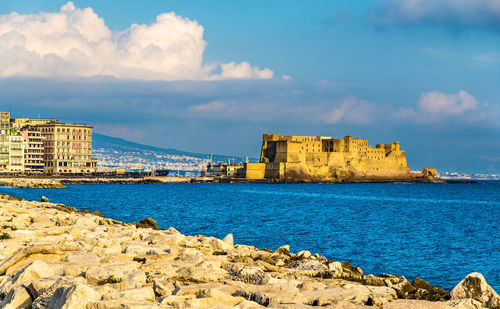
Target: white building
x=16 y=152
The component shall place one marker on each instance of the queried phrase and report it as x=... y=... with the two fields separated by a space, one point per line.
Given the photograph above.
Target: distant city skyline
x=213 y=76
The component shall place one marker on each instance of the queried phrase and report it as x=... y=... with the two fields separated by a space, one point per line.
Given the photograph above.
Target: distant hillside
x=113 y=152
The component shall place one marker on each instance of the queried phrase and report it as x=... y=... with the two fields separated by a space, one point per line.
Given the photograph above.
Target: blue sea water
x=438 y=232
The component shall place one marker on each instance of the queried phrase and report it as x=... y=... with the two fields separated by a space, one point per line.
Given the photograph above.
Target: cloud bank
x=77 y=42
x=436 y=107
x=449 y=13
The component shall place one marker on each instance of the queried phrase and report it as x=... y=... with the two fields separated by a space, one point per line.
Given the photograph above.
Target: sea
x=437 y=232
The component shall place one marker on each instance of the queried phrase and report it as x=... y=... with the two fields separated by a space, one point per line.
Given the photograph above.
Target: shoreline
x=73 y=257
x=61 y=182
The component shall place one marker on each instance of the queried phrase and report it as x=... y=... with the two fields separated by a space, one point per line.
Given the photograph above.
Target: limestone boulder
x=269 y=294
x=5 y=285
x=248 y=274
x=163 y=287
x=76 y=296
x=218 y=245
x=125 y=304
x=468 y=303
x=36 y=270
x=355 y=293
x=335 y=268
x=312 y=286
x=84 y=222
x=143 y=293
x=17 y=298
x=312 y=265
x=425 y=291
x=424 y=304
x=284 y=250
x=83 y=258
x=474 y=286
x=181 y=302
x=141 y=249
x=228 y=239
x=41 y=218
x=304 y=254
x=247 y=304
x=97 y=273
x=38 y=285
x=202 y=274
x=148 y=223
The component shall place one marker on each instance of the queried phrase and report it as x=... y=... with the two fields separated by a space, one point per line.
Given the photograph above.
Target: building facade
x=4 y=141
x=67 y=148
x=222 y=170
x=19 y=123
x=33 y=150
x=16 y=152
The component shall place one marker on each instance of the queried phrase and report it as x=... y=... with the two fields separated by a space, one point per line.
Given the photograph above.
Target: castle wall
x=255 y=170
x=323 y=157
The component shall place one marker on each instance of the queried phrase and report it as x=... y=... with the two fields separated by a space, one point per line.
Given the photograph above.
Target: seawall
x=54 y=256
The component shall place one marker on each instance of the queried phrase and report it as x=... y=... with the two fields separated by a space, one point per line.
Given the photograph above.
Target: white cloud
x=77 y=42
x=438 y=103
x=452 y=13
x=435 y=106
x=210 y=107
x=242 y=70
x=488 y=58
x=352 y=111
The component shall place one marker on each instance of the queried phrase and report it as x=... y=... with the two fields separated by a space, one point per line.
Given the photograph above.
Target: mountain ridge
x=102 y=141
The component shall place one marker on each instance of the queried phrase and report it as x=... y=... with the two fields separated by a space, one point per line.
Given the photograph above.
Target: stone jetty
x=54 y=256
x=59 y=183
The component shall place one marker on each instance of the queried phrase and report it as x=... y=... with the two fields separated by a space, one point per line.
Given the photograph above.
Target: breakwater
x=54 y=256
x=61 y=182
x=42 y=182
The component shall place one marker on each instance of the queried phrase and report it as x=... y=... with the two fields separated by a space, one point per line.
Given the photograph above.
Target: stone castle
x=322 y=158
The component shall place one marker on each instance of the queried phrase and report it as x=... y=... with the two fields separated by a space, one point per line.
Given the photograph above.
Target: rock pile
x=34 y=183
x=57 y=257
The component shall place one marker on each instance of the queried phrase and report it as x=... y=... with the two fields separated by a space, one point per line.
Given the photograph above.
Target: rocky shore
x=54 y=256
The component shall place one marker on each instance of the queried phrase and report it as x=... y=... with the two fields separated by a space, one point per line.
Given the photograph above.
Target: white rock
x=284 y=249
x=5 y=285
x=475 y=286
x=17 y=298
x=35 y=270
x=86 y=221
x=76 y=296
x=312 y=266
x=125 y=304
x=228 y=239
x=85 y=258
x=304 y=254
x=144 y=293
x=38 y=285
x=335 y=267
x=96 y=273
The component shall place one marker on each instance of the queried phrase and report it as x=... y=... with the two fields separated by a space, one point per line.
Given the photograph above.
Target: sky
x=213 y=76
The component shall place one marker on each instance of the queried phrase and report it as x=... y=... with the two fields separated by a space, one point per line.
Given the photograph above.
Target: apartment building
x=16 y=152
x=67 y=148
x=19 y=123
x=33 y=150
x=4 y=141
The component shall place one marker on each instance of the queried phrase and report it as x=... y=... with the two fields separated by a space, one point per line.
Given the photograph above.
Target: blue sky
x=218 y=74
